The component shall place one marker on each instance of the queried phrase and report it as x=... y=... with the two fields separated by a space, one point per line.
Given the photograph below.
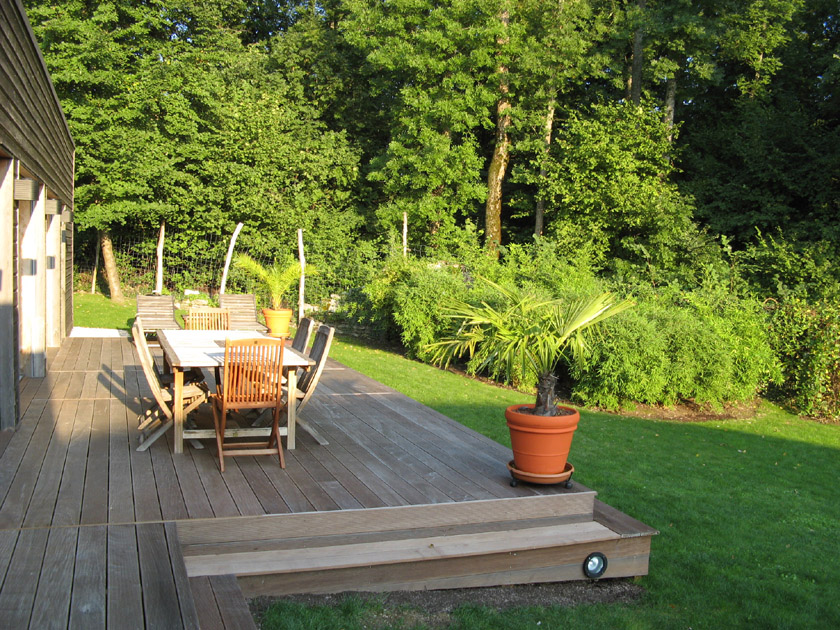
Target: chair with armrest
x=159 y=417
x=253 y=370
x=243 y=311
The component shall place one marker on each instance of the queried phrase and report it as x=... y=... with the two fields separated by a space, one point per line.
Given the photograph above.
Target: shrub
x=407 y=294
x=699 y=346
x=783 y=268
x=807 y=340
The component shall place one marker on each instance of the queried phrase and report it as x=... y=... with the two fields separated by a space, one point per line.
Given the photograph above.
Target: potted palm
x=277 y=280
x=524 y=339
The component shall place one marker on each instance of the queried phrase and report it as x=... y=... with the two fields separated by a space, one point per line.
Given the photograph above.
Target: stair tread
x=378 y=552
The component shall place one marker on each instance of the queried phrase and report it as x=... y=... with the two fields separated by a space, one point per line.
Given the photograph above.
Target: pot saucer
x=521 y=475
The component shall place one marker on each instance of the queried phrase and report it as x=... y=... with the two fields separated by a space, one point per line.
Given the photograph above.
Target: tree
x=176 y=120
x=609 y=182
x=765 y=141
x=461 y=70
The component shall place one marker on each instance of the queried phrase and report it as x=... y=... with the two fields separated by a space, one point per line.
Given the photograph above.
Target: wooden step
x=385 y=551
x=450 y=545
x=284 y=527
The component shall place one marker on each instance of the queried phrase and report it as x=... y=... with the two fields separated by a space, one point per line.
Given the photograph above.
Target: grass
x=94 y=310
x=97 y=311
x=747 y=509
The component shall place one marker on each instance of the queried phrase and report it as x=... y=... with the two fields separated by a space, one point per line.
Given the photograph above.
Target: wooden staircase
x=450 y=545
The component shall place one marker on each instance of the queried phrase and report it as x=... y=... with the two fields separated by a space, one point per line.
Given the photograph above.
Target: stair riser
x=626 y=557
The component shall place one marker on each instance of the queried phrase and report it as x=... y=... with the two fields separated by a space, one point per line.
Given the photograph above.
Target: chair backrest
x=319 y=352
x=243 y=311
x=302 y=334
x=206 y=318
x=157 y=311
x=149 y=368
x=253 y=373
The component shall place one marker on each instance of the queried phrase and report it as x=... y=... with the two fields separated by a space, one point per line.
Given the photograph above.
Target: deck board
x=52 y=600
x=124 y=601
x=88 y=604
x=87 y=524
x=158 y=584
x=95 y=500
x=68 y=504
x=21 y=581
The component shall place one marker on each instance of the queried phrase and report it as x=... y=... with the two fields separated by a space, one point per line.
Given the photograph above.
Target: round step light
x=595 y=565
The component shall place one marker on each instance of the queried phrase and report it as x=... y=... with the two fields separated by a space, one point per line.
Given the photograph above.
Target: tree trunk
x=546 y=405
x=499 y=162
x=636 y=77
x=549 y=124
x=670 y=106
x=159 y=258
x=110 y=265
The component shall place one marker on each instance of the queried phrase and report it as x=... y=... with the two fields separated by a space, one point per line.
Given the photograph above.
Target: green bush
x=406 y=296
x=548 y=266
x=807 y=340
x=782 y=268
x=699 y=346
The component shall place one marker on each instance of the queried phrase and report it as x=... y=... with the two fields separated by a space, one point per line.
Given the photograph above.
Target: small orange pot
x=278 y=321
x=541 y=443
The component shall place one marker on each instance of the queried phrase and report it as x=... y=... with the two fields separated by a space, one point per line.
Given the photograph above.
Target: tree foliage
x=646 y=142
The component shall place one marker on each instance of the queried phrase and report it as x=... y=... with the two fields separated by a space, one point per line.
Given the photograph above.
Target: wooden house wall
x=36 y=244
x=32 y=124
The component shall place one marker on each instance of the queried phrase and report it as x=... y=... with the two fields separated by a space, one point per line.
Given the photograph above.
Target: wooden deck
x=95 y=534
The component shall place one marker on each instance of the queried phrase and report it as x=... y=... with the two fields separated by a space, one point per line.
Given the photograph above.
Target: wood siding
x=37 y=156
x=32 y=124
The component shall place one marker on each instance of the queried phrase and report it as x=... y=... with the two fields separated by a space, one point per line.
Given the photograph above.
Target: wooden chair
x=302 y=334
x=309 y=380
x=253 y=372
x=243 y=311
x=206 y=318
x=159 y=418
x=157 y=312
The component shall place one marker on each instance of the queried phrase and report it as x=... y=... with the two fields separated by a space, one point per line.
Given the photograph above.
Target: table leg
x=178 y=408
x=291 y=388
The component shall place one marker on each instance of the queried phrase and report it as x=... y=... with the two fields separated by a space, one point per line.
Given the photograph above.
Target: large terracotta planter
x=278 y=321
x=541 y=443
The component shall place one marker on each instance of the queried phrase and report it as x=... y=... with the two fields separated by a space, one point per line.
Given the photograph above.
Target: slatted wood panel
x=32 y=125
x=157 y=312
x=243 y=311
x=79 y=502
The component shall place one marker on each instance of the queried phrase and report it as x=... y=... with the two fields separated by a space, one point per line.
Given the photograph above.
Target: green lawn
x=748 y=510
x=97 y=311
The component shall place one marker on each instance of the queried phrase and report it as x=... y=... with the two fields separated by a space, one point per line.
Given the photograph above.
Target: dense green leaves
x=807 y=339
x=651 y=144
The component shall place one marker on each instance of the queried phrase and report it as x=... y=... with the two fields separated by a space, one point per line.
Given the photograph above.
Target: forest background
x=686 y=153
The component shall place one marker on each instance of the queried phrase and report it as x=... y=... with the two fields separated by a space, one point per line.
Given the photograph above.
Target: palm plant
x=276 y=279
x=526 y=335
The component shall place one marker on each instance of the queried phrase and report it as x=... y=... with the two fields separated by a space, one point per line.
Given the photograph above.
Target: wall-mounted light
x=595 y=565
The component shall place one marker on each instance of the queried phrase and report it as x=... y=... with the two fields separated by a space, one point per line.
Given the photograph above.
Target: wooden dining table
x=187 y=349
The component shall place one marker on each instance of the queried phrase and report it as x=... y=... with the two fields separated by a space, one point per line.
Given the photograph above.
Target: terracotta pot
x=541 y=443
x=278 y=321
